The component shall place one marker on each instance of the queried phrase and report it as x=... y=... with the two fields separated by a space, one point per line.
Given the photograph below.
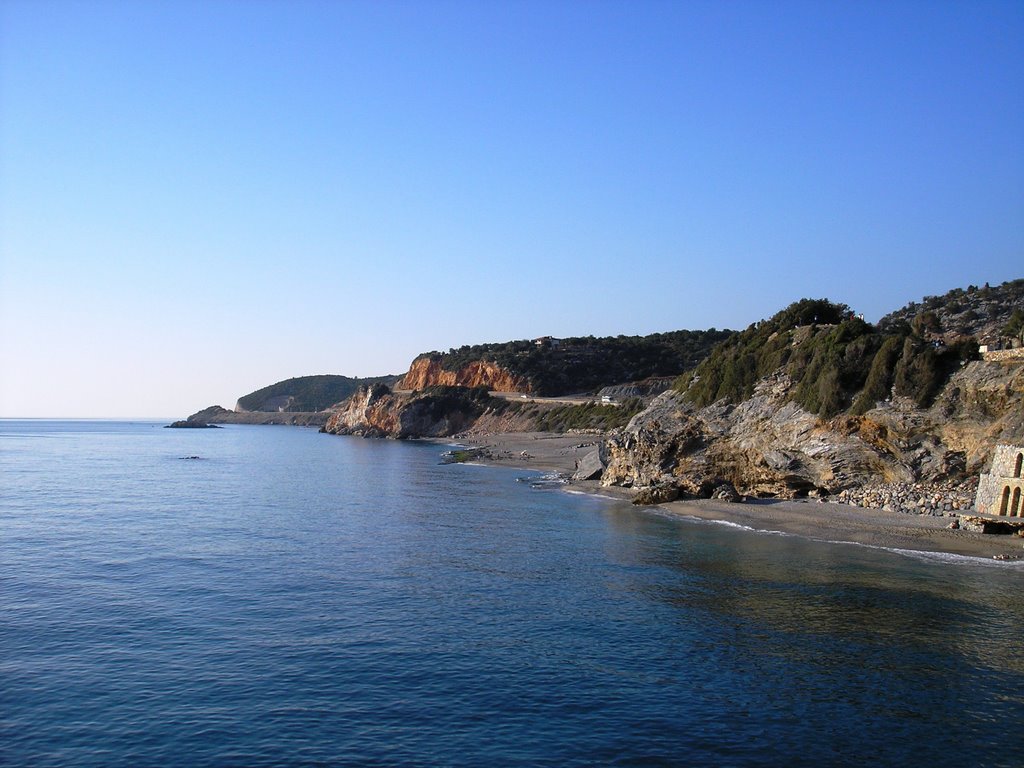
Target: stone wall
x=1002 y=355
x=1005 y=474
x=937 y=499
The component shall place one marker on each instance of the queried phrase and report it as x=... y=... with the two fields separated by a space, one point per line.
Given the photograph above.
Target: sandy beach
x=809 y=518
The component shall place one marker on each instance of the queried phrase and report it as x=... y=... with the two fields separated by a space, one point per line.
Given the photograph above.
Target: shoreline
x=807 y=518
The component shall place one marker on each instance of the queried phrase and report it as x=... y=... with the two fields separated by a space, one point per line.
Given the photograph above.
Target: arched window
x=1015 y=510
x=1005 y=501
x=1017 y=466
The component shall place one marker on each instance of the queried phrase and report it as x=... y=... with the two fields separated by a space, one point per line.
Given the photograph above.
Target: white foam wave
x=917 y=554
x=947 y=557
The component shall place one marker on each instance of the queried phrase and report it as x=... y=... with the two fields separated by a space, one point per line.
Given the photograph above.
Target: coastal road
x=567 y=400
x=519 y=397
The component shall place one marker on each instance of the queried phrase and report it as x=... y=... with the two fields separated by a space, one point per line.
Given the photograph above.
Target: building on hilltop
x=548 y=341
x=999 y=491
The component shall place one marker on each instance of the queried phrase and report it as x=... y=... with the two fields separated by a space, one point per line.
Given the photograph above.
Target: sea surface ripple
x=292 y=598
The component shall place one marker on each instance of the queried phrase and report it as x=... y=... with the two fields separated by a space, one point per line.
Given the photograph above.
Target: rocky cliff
x=427 y=371
x=769 y=446
x=439 y=411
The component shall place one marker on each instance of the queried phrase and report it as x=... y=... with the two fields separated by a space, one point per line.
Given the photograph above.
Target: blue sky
x=199 y=199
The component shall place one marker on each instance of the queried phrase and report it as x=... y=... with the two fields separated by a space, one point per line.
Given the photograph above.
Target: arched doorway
x=1015 y=510
x=1017 y=466
x=1005 y=501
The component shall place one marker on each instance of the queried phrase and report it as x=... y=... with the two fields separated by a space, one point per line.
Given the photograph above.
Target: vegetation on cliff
x=307 y=393
x=836 y=362
x=588 y=416
x=1014 y=328
x=584 y=364
x=986 y=313
x=435 y=403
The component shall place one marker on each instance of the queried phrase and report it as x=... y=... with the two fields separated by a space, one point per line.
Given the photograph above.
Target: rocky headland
x=189 y=424
x=215 y=414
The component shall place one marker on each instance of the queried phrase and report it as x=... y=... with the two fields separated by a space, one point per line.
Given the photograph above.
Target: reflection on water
x=797 y=586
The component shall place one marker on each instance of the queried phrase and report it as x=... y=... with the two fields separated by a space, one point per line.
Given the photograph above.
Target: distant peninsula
x=298 y=401
x=189 y=424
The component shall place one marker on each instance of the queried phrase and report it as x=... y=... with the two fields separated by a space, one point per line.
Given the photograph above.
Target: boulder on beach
x=657 y=495
x=590 y=467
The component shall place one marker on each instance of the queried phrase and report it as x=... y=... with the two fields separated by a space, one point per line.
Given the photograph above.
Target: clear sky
x=198 y=199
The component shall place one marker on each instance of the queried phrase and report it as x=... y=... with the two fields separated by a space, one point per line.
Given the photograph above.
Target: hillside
x=814 y=401
x=553 y=367
x=305 y=394
x=835 y=361
x=216 y=414
x=993 y=315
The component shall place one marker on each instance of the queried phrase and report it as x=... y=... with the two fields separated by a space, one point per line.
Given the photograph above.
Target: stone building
x=1000 y=491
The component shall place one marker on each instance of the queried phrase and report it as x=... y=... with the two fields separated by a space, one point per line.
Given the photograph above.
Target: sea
x=273 y=596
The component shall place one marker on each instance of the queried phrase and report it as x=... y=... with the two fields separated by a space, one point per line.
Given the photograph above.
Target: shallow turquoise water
x=292 y=598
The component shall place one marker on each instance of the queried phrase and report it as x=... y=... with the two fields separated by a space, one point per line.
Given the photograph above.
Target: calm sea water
x=292 y=598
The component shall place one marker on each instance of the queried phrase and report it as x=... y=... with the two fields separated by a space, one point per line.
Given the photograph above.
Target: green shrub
x=838 y=364
x=879 y=381
x=590 y=415
x=924 y=367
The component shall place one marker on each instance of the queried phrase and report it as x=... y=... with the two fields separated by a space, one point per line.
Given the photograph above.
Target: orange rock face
x=425 y=372
x=370 y=410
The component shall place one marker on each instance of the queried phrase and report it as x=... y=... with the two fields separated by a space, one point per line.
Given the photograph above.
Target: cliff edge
x=427 y=371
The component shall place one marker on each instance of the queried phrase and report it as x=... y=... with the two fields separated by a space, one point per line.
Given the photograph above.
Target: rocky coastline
x=908 y=528
x=812 y=409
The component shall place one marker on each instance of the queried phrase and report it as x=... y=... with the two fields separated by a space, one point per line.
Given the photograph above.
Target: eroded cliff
x=438 y=411
x=427 y=372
